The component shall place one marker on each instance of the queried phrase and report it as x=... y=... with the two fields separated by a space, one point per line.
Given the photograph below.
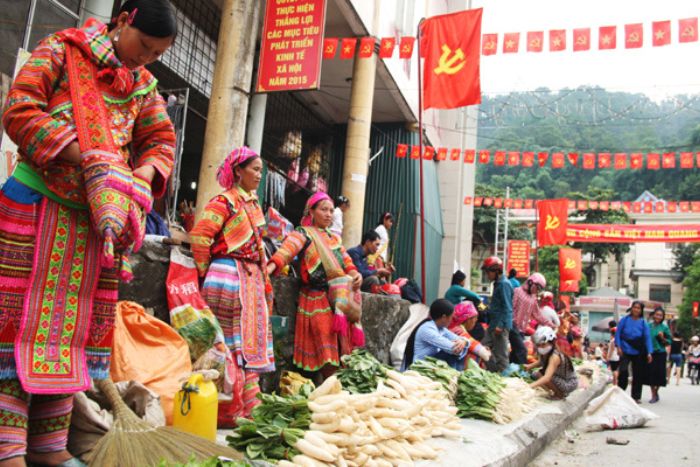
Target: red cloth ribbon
x=120 y=79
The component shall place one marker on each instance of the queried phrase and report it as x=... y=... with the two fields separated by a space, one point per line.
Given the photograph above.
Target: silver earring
x=116 y=36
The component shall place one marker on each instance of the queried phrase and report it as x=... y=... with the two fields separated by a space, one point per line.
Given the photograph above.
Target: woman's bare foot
x=48 y=458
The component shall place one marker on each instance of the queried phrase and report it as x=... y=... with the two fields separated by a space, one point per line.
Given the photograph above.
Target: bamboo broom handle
x=120 y=409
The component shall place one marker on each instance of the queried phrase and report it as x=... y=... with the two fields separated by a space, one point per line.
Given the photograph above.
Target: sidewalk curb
x=535 y=435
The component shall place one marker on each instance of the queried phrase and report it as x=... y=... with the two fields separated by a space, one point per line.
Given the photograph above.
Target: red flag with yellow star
x=347 y=49
x=607 y=37
x=661 y=33
x=557 y=40
x=451 y=47
x=386 y=47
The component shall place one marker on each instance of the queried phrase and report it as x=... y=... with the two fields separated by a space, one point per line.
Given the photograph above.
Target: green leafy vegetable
x=274 y=427
x=362 y=372
x=439 y=371
x=478 y=393
x=212 y=462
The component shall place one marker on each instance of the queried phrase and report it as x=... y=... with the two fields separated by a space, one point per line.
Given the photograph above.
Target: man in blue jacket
x=371 y=276
x=500 y=314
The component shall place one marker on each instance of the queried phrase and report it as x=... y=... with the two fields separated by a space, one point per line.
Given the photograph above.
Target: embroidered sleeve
x=348 y=265
x=291 y=247
x=203 y=234
x=154 y=140
x=37 y=134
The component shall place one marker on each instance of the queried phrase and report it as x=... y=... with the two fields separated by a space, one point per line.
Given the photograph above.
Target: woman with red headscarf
x=228 y=250
x=463 y=320
x=321 y=333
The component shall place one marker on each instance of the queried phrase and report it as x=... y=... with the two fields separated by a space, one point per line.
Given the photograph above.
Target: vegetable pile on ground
x=275 y=426
x=361 y=372
x=213 y=462
x=440 y=371
x=489 y=396
x=387 y=427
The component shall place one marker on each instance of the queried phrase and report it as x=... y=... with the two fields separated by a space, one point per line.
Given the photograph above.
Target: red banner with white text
x=291 y=46
x=633 y=233
x=519 y=257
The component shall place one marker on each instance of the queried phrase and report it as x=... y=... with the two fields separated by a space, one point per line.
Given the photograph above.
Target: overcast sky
x=657 y=71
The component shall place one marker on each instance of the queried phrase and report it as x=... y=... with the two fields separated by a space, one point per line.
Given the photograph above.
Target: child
x=83 y=101
x=558 y=374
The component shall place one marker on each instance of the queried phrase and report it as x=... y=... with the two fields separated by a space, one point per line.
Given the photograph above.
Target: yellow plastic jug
x=196 y=407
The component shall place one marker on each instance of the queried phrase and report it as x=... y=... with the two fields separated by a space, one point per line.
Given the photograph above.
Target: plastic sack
x=419 y=312
x=147 y=350
x=277 y=227
x=615 y=410
x=91 y=419
x=189 y=313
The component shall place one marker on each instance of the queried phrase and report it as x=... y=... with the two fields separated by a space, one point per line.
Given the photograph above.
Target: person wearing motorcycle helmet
x=557 y=373
x=500 y=314
x=525 y=308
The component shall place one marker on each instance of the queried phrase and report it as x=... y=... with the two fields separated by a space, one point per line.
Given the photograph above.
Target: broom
x=133 y=442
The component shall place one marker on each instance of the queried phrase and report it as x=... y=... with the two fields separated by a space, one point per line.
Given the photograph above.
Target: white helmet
x=694 y=339
x=544 y=334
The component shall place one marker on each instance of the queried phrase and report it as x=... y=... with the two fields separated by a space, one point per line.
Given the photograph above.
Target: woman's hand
x=271 y=268
x=356 y=280
x=71 y=153
x=649 y=358
x=146 y=172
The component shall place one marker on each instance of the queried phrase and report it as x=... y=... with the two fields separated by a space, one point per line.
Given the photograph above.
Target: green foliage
x=688 y=325
x=684 y=255
x=589 y=120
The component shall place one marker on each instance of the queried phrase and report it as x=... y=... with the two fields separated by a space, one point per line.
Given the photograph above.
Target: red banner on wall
x=633 y=233
x=292 y=43
x=519 y=257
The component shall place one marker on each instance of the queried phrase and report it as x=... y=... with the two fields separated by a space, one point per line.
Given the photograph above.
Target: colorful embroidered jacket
x=230 y=226
x=39 y=112
x=312 y=273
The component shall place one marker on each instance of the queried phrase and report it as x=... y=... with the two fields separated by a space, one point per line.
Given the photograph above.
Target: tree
x=687 y=325
x=485 y=218
x=601 y=251
x=684 y=255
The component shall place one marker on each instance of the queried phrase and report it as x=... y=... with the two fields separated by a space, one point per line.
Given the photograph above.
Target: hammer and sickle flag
x=569 y=269
x=551 y=228
x=451 y=45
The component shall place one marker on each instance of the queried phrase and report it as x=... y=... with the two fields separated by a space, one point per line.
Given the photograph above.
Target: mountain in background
x=589 y=120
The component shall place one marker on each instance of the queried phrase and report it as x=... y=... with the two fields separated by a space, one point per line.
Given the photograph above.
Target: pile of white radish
x=517 y=399
x=388 y=427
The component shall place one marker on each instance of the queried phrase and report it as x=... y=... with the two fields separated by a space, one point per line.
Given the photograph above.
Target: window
x=48 y=18
x=660 y=292
x=12 y=26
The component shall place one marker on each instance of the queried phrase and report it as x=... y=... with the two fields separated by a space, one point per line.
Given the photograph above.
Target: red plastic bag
x=230 y=410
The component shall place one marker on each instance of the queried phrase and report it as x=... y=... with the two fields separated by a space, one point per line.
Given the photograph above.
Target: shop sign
x=519 y=257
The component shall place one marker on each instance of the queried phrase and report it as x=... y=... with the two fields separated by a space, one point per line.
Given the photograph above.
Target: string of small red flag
x=559 y=40
x=636 y=207
x=557 y=160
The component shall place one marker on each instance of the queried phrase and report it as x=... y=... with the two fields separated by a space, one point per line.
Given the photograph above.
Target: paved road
x=670 y=440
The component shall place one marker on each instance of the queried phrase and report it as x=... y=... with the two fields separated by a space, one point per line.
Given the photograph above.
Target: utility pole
x=505 y=235
x=228 y=105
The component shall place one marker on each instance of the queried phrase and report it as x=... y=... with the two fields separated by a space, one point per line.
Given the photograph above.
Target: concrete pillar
x=228 y=104
x=99 y=9
x=357 y=149
x=256 y=122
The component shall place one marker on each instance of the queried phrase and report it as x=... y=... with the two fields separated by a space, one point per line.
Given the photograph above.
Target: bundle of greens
x=275 y=426
x=490 y=396
x=362 y=372
x=440 y=371
x=478 y=393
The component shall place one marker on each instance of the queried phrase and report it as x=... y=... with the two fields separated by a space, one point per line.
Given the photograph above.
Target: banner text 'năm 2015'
x=291 y=46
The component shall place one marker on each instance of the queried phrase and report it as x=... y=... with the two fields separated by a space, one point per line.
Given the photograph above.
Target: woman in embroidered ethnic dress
x=228 y=250
x=57 y=300
x=317 y=346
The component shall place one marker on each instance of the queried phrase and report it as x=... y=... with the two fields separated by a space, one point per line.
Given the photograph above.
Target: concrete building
x=316 y=120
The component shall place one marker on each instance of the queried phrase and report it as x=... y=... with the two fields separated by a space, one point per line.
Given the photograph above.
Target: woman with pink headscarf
x=322 y=334
x=229 y=252
x=463 y=320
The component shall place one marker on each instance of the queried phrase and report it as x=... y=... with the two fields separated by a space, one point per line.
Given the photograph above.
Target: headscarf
x=547 y=300
x=225 y=175
x=463 y=311
x=313 y=200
